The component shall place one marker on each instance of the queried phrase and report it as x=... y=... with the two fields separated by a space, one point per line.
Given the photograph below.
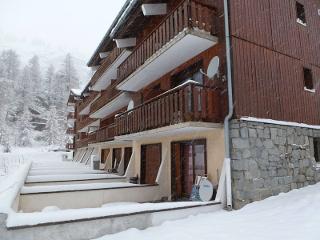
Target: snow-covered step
x=73 y=224
x=72 y=179
x=64 y=171
x=73 y=187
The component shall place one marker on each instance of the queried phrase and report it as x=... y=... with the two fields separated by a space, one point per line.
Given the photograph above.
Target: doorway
x=188 y=160
x=104 y=155
x=127 y=157
x=116 y=158
x=150 y=163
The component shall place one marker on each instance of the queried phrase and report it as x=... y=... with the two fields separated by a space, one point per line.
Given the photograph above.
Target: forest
x=33 y=101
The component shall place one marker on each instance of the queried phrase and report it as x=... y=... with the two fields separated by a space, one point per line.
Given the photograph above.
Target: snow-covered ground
x=294 y=216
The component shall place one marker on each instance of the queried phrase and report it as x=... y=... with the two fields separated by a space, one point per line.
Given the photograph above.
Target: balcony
x=84 y=104
x=189 y=102
x=86 y=122
x=81 y=143
x=183 y=34
x=103 y=135
x=108 y=70
x=105 y=97
x=108 y=103
x=71 y=131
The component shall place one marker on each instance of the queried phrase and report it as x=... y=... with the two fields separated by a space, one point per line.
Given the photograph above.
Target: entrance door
x=150 y=163
x=188 y=161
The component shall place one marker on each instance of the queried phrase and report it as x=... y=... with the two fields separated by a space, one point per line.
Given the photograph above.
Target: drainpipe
x=227 y=160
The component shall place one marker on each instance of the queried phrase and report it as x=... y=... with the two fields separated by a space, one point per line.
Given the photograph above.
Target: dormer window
x=301 y=14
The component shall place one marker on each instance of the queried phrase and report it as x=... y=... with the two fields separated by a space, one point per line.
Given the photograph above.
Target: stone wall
x=268 y=159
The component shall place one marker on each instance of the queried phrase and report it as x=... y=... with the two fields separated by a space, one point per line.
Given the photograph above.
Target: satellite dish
x=205 y=190
x=213 y=67
x=130 y=105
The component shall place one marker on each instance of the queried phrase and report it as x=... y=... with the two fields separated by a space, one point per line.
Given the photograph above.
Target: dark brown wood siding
x=269 y=50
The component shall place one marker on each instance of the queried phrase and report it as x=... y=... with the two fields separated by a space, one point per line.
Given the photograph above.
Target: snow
x=76 y=92
x=276 y=122
x=309 y=90
x=63 y=171
x=74 y=187
x=11 y=185
x=50 y=209
x=107 y=210
x=294 y=215
x=69 y=177
x=14 y=168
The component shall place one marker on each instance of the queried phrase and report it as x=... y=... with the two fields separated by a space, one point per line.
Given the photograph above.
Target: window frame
x=301 y=16
x=308 y=80
x=316 y=151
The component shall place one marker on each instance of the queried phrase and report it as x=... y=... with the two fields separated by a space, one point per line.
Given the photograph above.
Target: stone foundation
x=268 y=159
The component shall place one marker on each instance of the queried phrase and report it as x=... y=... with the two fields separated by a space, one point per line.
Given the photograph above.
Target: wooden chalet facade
x=150 y=110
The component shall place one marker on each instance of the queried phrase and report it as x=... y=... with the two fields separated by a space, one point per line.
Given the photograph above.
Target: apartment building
x=156 y=107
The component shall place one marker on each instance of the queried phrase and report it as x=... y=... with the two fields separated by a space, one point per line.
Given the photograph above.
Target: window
x=316 y=147
x=150 y=163
x=308 y=79
x=301 y=14
x=190 y=73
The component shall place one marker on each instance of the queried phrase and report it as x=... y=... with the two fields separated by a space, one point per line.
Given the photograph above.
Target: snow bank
x=29 y=219
x=10 y=188
x=294 y=216
x=276 y=122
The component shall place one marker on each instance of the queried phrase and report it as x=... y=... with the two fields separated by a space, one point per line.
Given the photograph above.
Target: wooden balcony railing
x=189 y=102
x=80 y=143
x=92 y=137
x=103 y=134
x=83 y=103
x=71 y=115
x=106 y=96
x=189 y=14
x=71 y=131
x=85 y=121
x=114 y=54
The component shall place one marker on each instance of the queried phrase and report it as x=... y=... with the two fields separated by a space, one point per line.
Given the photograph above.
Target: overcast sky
x=73 y=24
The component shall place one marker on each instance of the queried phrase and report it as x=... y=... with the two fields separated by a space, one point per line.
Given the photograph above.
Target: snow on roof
x=284 y=123
x=128 y=5
x=76 y=92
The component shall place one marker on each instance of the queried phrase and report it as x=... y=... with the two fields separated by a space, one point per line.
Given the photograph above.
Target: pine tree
x=53 y=132
x=35 y=74
x=25 y=127
x=9 y=65
x=49 y=83
x=72 y=80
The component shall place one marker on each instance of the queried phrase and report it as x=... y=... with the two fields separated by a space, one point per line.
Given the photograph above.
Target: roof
x=122 y=15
